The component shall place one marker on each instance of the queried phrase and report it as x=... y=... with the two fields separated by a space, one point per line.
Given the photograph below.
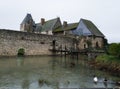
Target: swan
x=95 y=79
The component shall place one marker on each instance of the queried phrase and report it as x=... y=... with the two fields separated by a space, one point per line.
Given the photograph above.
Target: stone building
x=88 y=35
x=91 y=36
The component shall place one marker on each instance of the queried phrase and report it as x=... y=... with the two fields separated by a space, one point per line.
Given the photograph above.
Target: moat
x=47 y=72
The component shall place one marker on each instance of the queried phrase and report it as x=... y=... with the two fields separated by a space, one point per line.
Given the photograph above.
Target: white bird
x=95 y=79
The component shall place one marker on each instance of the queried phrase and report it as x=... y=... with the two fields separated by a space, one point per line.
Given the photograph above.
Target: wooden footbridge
x=90 y=53
x=84 y=51
x=73 y=51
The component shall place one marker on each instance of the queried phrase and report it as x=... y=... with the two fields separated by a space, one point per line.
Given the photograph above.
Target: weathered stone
x=34 y=44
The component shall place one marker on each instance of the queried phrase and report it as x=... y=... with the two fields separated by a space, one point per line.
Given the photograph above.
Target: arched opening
x=97 y=45
x=54 y=44
x=21 y=52
x=85 y=46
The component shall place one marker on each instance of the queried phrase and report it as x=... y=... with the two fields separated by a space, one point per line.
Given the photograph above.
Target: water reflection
x=20 y=61
x=41 y=82
x=25 y=84
x=49 y=73
x=67 y=62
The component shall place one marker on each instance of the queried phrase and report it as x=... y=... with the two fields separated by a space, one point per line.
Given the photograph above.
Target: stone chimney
x=42 y=21
x=65 y=24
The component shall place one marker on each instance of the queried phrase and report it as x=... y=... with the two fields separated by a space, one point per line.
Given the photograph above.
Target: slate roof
x=27 y=19
x=48 y=25
x=70 y=26
x=92 y=28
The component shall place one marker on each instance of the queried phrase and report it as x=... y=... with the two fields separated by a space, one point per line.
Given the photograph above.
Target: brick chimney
x=65 y=24
x=42 y=21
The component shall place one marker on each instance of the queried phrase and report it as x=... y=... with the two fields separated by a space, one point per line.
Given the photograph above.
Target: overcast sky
x=105 y=14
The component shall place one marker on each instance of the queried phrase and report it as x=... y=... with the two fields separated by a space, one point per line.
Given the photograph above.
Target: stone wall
x=34 y=44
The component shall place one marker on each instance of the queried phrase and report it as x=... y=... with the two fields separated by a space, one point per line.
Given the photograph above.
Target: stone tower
x=27 y=25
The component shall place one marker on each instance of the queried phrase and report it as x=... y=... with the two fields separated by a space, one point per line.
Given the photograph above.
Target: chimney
x=42 y=21
x=65 y=24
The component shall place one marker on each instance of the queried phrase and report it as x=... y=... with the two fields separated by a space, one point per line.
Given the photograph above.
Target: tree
x=119 y=50
x=114 y=49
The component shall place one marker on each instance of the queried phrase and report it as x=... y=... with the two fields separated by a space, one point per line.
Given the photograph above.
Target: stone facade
x=90 y=42
x=34 y=44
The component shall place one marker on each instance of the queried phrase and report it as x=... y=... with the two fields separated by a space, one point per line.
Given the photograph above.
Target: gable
x=57 y=24
x=82 y=29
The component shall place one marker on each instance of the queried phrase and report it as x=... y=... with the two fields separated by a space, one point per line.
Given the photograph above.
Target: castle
x=88 y=34
x=38 y=38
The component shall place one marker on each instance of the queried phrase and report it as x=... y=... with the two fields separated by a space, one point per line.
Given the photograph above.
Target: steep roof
x=70 y=26
x=48 y=25
x=92 y=28
x=27 y=19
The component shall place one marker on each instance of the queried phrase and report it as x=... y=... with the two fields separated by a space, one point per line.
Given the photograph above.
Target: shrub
x=21 y=52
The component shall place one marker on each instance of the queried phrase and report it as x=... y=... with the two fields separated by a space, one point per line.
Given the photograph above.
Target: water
x=46 y=72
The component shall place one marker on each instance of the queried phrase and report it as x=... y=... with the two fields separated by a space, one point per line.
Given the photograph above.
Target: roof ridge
x=73 y=23
x=51 y=19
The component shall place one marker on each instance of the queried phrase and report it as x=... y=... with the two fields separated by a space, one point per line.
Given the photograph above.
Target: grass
x=108 y=63
x=108 y=59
